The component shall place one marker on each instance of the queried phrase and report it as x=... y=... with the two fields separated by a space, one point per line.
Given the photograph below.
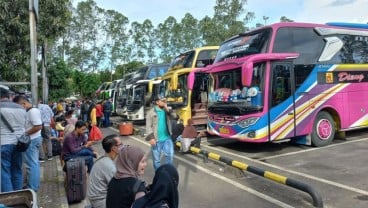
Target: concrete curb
x=62 y=193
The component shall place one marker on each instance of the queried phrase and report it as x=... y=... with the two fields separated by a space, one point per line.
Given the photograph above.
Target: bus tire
x=323 y=130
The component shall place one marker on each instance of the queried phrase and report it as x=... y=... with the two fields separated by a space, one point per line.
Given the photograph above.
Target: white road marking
x=339 y=185
x=227 y=180
x=312 y=149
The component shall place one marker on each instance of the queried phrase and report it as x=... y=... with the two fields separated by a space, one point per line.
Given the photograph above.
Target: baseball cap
x=160 y=97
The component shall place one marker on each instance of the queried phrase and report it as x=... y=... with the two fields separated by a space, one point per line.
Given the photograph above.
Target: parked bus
x=111 y=93
x=122 y=95
x=139 y=99
x=285 y=81
x=101 y=88
x=186 y=102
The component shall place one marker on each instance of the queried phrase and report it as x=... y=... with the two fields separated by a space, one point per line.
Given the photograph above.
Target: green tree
x=14 y=40
x=86 y=52
x=230 y=18
x=189 y=34
x=165 y=37
x=60 y=80
x=116 y=40
x=285 y=19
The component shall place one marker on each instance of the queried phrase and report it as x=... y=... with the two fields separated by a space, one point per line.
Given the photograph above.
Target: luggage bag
x=76 y=176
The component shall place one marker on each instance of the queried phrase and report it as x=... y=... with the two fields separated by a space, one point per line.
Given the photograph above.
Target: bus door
x=282 y=110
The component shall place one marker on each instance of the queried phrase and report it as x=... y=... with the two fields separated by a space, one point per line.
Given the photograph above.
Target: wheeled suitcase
x=76 y=176
x=56 y=147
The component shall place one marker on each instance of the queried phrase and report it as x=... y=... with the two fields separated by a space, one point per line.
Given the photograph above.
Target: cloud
x=341 y=2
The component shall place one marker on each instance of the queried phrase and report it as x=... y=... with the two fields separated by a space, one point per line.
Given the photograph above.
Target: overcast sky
x=318 y=11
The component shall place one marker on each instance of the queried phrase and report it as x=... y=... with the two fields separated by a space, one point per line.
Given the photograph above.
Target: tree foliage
x=86 y=45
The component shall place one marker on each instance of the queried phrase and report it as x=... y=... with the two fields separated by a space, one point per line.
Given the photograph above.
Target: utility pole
x=33 y=13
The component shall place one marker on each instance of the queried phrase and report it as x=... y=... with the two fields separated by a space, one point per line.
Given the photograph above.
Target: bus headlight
x=247 y=122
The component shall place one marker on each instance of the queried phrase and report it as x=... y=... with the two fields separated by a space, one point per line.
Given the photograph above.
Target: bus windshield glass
x=138 y=94
x=227 y=90
x=184 y=60
x=243 y=45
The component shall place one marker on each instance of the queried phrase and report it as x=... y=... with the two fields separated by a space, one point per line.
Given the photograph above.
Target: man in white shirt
x=30 y=156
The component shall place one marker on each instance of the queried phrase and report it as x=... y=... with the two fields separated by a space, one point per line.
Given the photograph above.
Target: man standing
x=11 y=159
x=103 y=170
x=33 y=129
x=107 y=109
x=84 y=110
x=46 y=116
x=158 y=129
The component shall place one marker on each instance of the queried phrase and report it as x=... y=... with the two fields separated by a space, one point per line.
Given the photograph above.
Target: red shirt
x=99 y=111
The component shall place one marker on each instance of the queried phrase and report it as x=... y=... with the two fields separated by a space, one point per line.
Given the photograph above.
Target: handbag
x=23 y=141
x=95 y=134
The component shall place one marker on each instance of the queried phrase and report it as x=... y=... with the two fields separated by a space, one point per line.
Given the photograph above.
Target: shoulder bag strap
x=6 y=122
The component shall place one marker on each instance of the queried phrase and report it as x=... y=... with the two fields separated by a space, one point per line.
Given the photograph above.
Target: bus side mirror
x=190 y=81
x=247 y=72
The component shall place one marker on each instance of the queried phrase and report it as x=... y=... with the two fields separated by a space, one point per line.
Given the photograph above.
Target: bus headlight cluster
x=247 y=122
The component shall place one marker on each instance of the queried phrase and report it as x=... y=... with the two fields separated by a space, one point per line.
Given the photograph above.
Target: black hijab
x=164 y=187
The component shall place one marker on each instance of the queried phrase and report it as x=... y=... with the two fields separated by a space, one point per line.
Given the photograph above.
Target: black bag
x=43 y=133
x=76 y=176
x=56 y=147
x=23 y=141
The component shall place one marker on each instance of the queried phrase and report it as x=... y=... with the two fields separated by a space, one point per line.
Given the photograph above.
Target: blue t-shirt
x=162 y=131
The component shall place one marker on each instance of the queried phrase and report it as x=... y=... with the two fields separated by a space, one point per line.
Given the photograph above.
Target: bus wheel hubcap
x=324 y=129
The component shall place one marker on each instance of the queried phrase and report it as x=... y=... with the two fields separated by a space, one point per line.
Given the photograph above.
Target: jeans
x=167 y=148
x=46 y=142
x=32 y=164
x=85 y=153
x=11 y=168
x=107 y=119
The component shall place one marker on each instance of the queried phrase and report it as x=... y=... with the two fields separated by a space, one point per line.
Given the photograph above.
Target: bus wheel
x=323 y=130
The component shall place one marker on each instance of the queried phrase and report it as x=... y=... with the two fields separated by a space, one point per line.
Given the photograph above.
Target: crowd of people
x=115 y=177
x=44 y=124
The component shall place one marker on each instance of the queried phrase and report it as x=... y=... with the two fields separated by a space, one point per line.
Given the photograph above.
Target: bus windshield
x=228 y=92
x=137 y=94
x=175 y=98
x=184 y=60
x=244 y=45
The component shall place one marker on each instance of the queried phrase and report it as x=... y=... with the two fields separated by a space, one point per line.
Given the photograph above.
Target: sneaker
x=42 y=160
x=49 y=158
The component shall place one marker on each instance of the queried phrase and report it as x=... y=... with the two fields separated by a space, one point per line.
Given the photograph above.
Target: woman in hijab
x=125 y=186
x=163 y=192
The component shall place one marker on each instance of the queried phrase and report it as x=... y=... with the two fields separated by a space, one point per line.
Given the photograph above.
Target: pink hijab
x=128 y=161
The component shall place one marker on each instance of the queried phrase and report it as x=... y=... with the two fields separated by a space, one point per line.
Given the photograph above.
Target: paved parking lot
x=337 y=173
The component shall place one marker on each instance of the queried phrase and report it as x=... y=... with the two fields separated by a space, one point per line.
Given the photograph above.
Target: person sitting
x=125 y=187
x=103 y=170
x=163 y=192
x=188 y=136
x=75 y=145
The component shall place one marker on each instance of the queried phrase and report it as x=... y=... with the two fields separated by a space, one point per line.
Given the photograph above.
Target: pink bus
x=306 y=82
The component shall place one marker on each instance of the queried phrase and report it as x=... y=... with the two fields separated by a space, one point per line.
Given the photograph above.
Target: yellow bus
x=188 y=102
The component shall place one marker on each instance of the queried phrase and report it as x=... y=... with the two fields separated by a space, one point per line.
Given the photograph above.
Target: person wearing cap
x=11 y=159
x=158 y=130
